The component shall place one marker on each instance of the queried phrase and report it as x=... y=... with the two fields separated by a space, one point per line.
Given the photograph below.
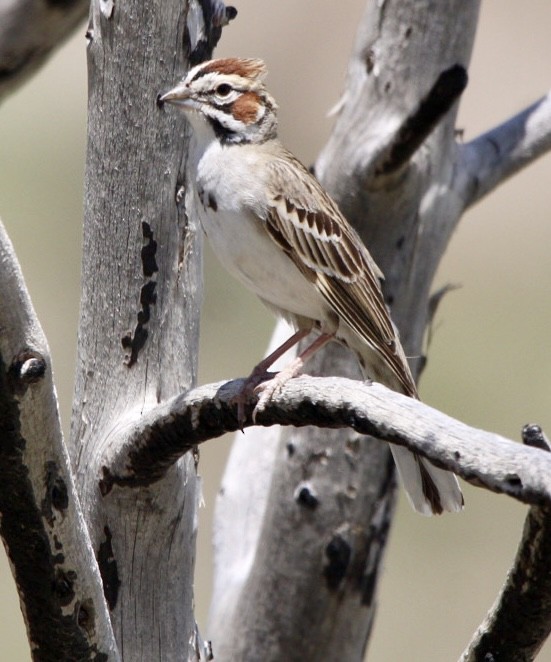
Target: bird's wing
x=305 y=223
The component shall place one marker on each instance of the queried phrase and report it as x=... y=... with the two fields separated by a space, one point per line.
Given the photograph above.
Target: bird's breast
x=246 y=251
x=231 y=201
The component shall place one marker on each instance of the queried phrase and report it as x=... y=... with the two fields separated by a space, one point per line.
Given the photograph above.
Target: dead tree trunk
x=138 y=331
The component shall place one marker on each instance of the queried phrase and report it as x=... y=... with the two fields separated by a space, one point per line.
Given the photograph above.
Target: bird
x=273 y=227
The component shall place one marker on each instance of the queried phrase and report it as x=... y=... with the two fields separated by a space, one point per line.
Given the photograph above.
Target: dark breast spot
x=208 y=200
x=212 y=204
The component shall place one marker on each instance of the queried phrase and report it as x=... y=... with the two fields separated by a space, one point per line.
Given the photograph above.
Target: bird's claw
x=265 y=385
x=266 y=391
x=247 y=391
x=265 y=395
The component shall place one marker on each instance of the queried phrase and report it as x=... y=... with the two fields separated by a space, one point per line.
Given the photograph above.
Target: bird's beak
x=179 y=96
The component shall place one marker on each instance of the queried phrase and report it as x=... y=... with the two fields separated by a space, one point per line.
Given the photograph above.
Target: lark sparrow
x=273 y=227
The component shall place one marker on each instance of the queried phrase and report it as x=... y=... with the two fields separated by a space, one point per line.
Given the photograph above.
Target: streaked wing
x=309 y=227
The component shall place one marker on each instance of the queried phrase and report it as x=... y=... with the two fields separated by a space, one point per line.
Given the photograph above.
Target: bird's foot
x=253 y=381
x=267 y=389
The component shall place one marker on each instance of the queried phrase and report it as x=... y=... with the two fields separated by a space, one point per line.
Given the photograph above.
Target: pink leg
x=263 y=366
x=267 y=389
x=260 y=373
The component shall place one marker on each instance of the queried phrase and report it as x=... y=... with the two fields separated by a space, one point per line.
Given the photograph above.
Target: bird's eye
x=223 y=90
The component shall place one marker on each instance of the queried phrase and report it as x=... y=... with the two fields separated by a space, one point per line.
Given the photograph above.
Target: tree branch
x=417 y=126
x=30 y=30
x=42 y=526
x=482 y=458
x=520 y=620
x=268 y=586
x=490 y=159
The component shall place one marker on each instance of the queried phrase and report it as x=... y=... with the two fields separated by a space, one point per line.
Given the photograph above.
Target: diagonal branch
x=520 y=620
x=41 y=522
x=147 y=448
x=490 y=159
x=30 y=30
x=416 y=127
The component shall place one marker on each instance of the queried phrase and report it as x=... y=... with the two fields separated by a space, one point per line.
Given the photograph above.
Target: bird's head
x=229 y=94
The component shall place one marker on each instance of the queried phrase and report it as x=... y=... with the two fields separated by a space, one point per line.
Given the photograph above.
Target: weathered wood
x=406 y=215
x=519 y=622
x=303 y=520
x=138 y=332
x=42 y=526
x=153 y=443
x=501 y=152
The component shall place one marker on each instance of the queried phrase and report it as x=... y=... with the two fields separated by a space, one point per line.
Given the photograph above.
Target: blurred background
x=489 y=363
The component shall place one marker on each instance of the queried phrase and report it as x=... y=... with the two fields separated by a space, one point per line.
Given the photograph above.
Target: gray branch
x=419 y=124
x=267 y=589
x=519 y=622
x=404 y=185
x=490 y=159
x=30 y=30
x=152 y=444
x=42 y=526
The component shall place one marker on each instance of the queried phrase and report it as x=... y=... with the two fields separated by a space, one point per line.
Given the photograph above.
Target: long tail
x=430 y=490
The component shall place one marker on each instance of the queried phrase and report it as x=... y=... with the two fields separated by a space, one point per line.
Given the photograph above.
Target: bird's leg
x=260 y=373
x=267 y=389
x=261 y=368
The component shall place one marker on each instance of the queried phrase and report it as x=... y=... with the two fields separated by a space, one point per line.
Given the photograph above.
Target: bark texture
x=42 y=526
x=485 y=459
x=138 y=331
x=109 y=575
x=103 y=550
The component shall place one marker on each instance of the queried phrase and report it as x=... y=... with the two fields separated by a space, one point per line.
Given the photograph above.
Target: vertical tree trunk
x=138 y=333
